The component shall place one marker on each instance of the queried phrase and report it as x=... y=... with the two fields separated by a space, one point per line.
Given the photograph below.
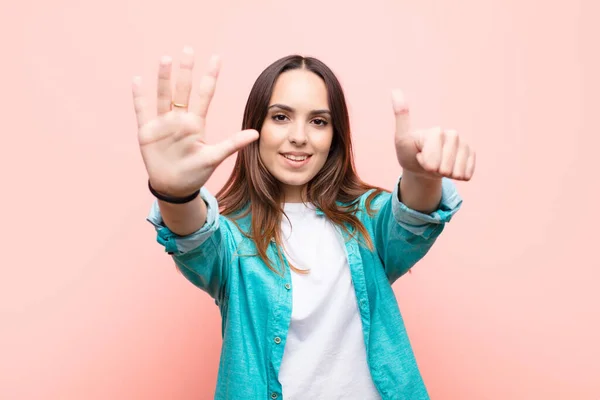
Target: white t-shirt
x=324 y=355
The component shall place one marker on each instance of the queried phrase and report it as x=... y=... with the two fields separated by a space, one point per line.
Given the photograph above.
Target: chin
x=293 y=181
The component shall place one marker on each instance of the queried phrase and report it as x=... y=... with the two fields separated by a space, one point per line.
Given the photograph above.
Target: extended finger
x=140 y=105
x=234 y=143
x=449 y=152
x=164 y=95
x=206 y=88
x=401 y=111
x=183 y=84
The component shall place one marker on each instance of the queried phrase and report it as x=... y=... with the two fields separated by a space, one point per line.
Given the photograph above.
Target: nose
x=297 y=134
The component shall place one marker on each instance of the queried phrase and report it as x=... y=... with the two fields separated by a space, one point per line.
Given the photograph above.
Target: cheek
x=261 y=147
x=323 y=143
x=269 y=143
x=265 y=142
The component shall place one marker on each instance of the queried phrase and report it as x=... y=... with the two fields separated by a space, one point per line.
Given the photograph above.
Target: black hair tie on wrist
x=172 y=199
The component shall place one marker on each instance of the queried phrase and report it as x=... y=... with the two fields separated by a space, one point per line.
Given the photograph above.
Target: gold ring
x=179 y=105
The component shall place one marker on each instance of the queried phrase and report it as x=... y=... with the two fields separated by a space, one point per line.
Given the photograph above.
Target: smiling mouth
x=295 y=158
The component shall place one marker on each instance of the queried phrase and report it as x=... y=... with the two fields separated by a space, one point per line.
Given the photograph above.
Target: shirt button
x=273 y=395
x=288 y=286
x=277 y=340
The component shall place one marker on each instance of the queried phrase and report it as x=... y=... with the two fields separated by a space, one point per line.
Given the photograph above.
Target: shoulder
x=367 y=205
x=236 y=222
x=231 y=224
x=373 y=200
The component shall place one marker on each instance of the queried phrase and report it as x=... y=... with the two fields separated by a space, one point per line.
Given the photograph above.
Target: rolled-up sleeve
x=423 y=224
x=177 y=244
x=203 y=256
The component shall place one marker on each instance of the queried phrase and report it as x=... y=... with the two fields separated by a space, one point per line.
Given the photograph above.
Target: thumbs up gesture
x=430 y=153
x=178 y=158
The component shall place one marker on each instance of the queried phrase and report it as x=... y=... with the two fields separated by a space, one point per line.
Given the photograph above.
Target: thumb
x=234 y=143
x=401 y=111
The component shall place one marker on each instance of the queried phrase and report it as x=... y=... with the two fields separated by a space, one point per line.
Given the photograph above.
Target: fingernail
x=166 y=60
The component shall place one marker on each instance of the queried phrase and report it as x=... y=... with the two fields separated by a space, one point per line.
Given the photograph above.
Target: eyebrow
x=291 y=110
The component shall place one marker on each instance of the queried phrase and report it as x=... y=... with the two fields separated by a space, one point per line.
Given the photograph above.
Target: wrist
x=420 y=193
x=423 y=180
x=173 y=199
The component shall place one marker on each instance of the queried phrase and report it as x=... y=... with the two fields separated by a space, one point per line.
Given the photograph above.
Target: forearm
x=419 y=193
x=183 y=219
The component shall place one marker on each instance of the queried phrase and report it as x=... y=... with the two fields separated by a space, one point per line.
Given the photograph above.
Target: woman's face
x=297 y=132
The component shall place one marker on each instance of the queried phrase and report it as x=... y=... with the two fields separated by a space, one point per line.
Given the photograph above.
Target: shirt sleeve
x=178 y=245
x=203 y=256
x=427 y=225
x=403 y=236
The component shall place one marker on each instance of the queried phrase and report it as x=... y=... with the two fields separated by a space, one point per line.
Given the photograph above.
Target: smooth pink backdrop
x=506 y=305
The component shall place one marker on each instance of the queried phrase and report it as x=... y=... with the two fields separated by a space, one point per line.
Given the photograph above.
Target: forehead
x=300 y=88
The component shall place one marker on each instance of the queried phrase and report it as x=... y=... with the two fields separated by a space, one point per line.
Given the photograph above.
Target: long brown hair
x=252 y=189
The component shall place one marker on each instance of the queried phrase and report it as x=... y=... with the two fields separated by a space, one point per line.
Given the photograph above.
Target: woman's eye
x=320 y=122
x=279 y=117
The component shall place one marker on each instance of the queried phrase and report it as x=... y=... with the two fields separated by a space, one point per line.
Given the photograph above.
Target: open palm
x=177 y=157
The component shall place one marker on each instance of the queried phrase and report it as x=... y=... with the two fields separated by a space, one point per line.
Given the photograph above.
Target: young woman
x=298 y=253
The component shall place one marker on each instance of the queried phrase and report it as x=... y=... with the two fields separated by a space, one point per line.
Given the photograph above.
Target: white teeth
x=295 y=158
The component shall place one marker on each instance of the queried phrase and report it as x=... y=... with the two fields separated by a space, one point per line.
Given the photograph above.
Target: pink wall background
x=506 y=306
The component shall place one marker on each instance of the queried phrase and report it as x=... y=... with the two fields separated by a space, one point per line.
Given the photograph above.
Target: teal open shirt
x=256 y=303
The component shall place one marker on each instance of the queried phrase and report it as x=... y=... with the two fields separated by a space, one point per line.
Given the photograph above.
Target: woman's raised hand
x=173 y=144
x=431 y=153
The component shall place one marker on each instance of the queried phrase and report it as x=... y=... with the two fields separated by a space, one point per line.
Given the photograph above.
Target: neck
x=294 y=194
